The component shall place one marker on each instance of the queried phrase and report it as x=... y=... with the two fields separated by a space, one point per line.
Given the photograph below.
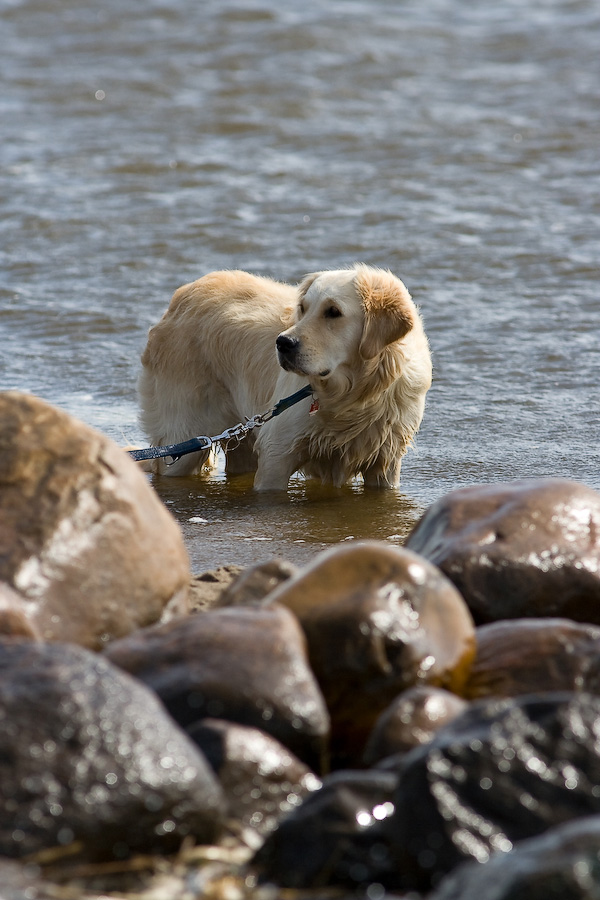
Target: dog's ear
x=306 y=283
x=389 y=311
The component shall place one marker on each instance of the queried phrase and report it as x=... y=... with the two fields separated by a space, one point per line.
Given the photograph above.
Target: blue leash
x=236 y=433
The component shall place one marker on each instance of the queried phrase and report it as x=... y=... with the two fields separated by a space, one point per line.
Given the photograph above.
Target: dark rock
x=411 y=721
x=262 y=779
x=246 y=665
x=532 y=655
x=526 y=548
x=559 y=865
x=254 y=584
x=336 y=837
x=88 y=754
x=378 y=619
x=502 y=772
x=84 y=540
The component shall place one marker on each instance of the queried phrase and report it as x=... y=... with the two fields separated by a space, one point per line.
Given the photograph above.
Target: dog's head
x=342 y=316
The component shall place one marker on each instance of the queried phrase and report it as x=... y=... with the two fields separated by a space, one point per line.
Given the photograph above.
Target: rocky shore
x=409 y=721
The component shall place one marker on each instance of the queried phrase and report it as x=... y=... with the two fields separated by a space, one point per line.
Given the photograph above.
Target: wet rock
x=560 y=865
x=411 y=720
x=246 y=665
x=205 y=590
x=336 y=837
x=13 y=617
x=89 y=754
x=257 y=582
x=378 y=619
x=22 y=882
x=522 y=549
x=502 y=772
x=84 y=540
x=530 y=655
x=262 y=779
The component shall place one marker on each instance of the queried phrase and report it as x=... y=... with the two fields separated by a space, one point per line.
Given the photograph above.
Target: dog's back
x=210 y=360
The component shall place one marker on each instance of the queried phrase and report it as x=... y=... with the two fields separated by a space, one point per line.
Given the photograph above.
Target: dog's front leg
x=376 y=477
x=277 y=461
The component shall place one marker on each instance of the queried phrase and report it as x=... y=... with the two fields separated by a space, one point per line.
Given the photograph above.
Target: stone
x=531 y=655
x=262 y=780
x=243 y=664
x=89 y=755
x=336 y=837
x=502 y=772
x=526 y=548
x=84 y=540
x=14 y=620
x=561 y=864
x=413 y=719
x=378 y=619
x=253 y=585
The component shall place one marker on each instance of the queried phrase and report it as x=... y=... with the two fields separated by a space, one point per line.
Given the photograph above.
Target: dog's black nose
x=286 y=344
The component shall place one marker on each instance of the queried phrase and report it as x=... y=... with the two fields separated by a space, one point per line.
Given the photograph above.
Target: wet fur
x=354 y=334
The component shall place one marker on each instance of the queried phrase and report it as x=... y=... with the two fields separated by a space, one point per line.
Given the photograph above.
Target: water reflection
x=225 y=522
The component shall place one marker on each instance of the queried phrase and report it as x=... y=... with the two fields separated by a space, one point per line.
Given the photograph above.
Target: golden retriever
x=232 y=344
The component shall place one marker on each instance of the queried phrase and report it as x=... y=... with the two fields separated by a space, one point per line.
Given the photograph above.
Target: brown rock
x=378 y=619
x=411 y=720
x=256 y=583
x=13 y=616
x=532 y=655
x=526 y=548
x=84 y=540
x=243 y=664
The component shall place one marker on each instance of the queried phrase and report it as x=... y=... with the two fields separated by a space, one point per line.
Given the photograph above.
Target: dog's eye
x=332 y=312
x=301 y=309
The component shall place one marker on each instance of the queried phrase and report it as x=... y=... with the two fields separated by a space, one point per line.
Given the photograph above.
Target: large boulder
x=526 y=548
x=242 y=664
x=378 y=619
x=84 y=540
x=88 y=754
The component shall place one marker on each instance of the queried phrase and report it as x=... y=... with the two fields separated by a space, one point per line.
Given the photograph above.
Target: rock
x=262 y=779
x=84 y=540
x=532 y=655
x=523 y=549
x=256 y=583
x=88 y=754
x=378 y=619
x=559 y=865
x=247 y=665
x=411 y=721
x=205 y=590
x=336 y=837
x=13 y=616
x=504 y=771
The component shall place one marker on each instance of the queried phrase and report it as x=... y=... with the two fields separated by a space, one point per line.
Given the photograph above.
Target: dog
x=232 y=344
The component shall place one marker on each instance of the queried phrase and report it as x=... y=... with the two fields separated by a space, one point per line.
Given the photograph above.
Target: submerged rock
x=14 y=621
x=559 y=865
x=262 y=780
x=84 y=540
x=531 y=655
x=502 y=772
x=88 y=754
x=413 y=719
x=243 y=664
x=378 y=619
x=526 y=548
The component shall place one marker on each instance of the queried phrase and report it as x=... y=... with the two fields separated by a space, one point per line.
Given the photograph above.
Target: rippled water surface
x=456 y=142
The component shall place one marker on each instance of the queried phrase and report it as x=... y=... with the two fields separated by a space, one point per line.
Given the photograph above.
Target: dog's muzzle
x=287 y=348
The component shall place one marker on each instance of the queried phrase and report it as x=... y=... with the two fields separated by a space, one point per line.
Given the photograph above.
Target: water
x=455 y=142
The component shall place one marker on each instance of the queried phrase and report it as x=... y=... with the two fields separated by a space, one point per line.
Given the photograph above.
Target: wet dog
x=232 y=344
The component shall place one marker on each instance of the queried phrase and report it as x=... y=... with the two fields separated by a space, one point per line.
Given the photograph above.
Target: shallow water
x=454 y=142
